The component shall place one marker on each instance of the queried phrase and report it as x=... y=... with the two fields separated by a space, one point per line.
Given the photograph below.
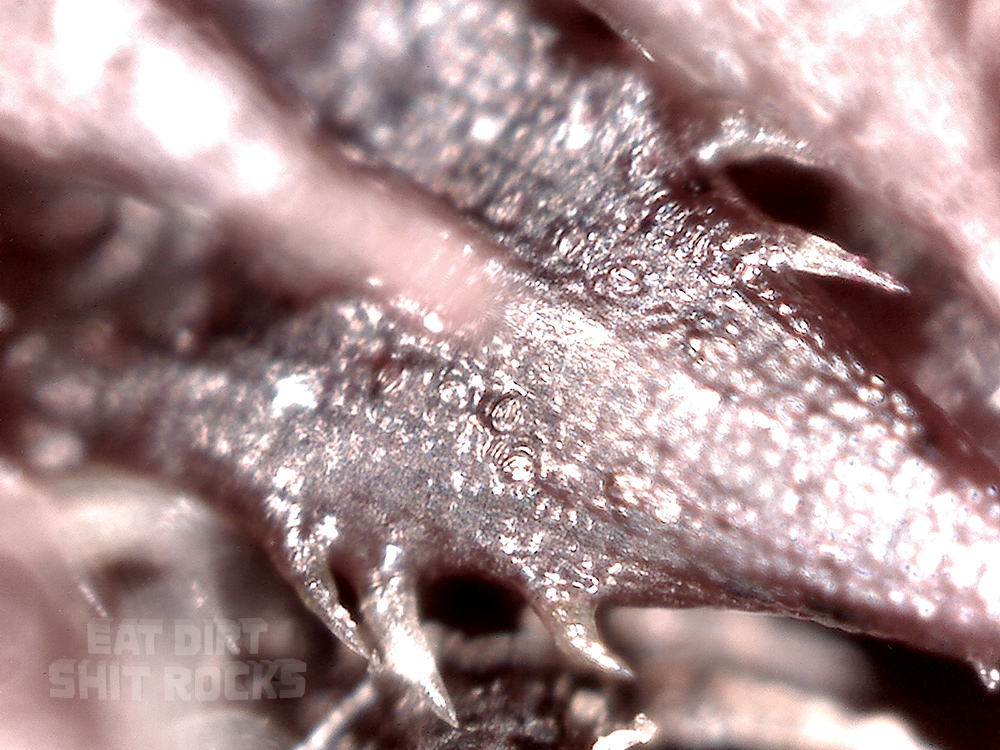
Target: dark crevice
x=472 y=606
x=807 y=198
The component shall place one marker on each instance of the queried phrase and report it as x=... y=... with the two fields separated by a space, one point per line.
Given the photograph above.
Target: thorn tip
x=820 y=257
x=575 y=631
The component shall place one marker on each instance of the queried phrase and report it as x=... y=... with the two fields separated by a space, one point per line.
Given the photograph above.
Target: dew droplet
x=503 y=413
x=519 y=464
x=569 y=243
x=387 y=376
x=989 y=676
x=623 y=281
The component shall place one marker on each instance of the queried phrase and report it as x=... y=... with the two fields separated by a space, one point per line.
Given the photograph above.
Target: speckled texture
x=660 y=412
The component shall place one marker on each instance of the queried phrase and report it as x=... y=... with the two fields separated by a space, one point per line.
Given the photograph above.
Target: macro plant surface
x=429 y=291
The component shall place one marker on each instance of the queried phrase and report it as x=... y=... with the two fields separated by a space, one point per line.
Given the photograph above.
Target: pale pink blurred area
x=130 y=93
x=67 y=663
x=43 y=619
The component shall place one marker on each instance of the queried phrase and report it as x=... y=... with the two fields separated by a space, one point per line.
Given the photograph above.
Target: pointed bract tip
x=442 y=707
x=820 y=257
x=391 y=612
x=602 y=657
x=575 y=631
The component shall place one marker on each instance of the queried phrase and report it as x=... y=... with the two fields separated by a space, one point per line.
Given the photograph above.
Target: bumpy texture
x=661 y=409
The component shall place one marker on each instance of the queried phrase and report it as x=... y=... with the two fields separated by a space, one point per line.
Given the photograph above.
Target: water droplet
x=623 y=281
x=569 y=242
x=387 y=376
x=503 y=413
x=989 y=676
x=519 y=464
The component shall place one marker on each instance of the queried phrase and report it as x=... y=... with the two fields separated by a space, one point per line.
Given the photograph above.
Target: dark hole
x=472 y=606
x=122 y=578
x=941 y=697
x=348 y=596
x=583 y=35
x=791 y=194
x=131 y=574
